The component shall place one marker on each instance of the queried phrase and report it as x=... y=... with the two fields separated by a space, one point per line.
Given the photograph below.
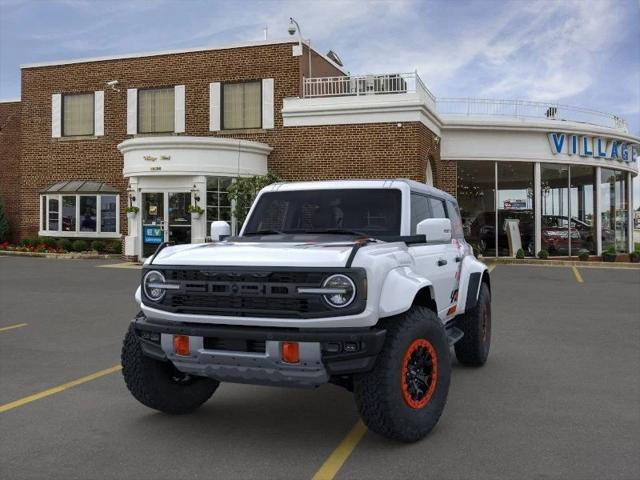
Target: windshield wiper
x=262 y=232
x=340 y=231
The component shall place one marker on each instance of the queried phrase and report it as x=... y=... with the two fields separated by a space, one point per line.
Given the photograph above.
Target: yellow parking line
x=11 y=327
x=58 y=389
x=122 y=265
x=332 y=465
x=577 y=274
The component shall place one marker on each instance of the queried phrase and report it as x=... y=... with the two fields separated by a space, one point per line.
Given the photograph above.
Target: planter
x=131 y=216
x=609 y=257
x=195 y=215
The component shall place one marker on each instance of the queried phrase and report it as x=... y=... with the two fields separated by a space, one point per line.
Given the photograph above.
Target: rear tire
x=404 y=395
x=159 y=385
x=473 y=348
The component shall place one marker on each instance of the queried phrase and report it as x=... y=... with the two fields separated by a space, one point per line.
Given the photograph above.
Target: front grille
x=254 y=292
x=234 y=345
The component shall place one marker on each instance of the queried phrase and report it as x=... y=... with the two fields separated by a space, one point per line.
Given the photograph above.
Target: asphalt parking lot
x=558 y=398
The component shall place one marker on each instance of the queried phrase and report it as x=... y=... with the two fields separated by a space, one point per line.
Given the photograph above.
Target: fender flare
x=399 y=290
x=472 y=272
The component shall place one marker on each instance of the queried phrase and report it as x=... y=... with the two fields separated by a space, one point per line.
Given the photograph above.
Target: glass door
x=179 y=228
x=153 y=222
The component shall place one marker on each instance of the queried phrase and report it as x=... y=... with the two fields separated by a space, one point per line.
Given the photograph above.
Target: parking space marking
x=11 y=327
x=60 y=388
x=577 y=274
x=122 y=265
x=332 y=465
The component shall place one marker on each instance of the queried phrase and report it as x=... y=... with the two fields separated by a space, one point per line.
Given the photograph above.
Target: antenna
x=266 y=31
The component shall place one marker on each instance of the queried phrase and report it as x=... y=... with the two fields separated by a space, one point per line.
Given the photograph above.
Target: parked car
x=325 y=283
x=482 y=228
x=555 y=234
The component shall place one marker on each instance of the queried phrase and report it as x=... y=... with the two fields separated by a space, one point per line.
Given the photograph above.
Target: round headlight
x=154 y=294
x=344 y=290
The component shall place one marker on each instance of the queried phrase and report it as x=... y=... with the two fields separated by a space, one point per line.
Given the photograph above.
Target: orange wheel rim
x=419 y=373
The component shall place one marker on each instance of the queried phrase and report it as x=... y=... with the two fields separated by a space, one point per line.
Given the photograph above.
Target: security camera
x=112 y=83
x=292 y=27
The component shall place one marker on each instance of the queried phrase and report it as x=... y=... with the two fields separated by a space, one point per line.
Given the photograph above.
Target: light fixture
x=293 y=28
x=194 y=192
x=132 y=197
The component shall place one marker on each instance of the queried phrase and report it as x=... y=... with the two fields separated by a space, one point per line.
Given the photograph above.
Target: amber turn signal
x=181 y=345
x=290 y=352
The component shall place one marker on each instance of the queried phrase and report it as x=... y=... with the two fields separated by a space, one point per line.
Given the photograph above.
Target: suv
x=364 y=284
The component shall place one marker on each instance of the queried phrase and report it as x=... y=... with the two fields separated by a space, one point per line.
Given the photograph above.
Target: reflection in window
x=581 y=204
x=88 y=213
x=614 y=210
x=456 y=222
x=554 y=181
x=54 y=212
x=516 y=220
x=419 y=210
x=218 y=203
x=108 y=213
x=476 y=198
x=69 y=213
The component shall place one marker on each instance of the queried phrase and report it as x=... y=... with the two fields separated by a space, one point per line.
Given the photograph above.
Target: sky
x=576 y=52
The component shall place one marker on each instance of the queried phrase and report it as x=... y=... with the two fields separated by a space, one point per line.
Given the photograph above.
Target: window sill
x=237 y=131
x=76 y=138
x=48 y=233
x=157 y=134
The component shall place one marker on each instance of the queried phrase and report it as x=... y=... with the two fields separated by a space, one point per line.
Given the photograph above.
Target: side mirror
x=220 y=230
x=435 y=229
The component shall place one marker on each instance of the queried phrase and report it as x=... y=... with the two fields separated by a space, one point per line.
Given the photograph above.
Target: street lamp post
x=293 y=27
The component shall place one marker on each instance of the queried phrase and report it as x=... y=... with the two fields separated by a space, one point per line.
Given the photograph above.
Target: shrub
x=79 y=246
x=49 y=242
x=543 y=254
x=610 y=254
x=635 y=256
x=64 y=244
x=114 y=247
x=28 y=242
x=583 y=254
x=4 y=224
x=520 y=253
x=98 y=245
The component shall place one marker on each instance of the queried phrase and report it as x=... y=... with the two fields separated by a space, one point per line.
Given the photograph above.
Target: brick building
x=162 y=131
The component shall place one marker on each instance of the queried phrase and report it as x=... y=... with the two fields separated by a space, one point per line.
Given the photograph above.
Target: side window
x=419 y=210
x=456 y=220
x=437 y=208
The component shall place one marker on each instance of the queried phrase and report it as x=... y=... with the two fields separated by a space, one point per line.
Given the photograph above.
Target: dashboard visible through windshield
x=372 y=212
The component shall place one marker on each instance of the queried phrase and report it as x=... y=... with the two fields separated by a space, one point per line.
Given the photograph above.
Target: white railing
x=355 y=85
x=526 y=109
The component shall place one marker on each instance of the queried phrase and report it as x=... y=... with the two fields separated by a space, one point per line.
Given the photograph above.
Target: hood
x=257 y=254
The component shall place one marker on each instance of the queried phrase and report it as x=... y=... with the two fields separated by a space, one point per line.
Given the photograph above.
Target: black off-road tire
x=380 y=394
x=473 y=348
x=159 y=385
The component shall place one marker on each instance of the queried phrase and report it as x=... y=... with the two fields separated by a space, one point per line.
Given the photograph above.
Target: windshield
x=373 y=212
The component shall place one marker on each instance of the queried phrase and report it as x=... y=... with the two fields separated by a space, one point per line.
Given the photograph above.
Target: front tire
x=404 y=395
x=159 y=385
x=473 y=348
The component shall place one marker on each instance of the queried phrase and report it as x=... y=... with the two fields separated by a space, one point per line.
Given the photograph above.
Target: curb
x=62 y=256
x=563 y=263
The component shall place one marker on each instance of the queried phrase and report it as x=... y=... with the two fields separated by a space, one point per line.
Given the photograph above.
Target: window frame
x=138 y=109
x=222 y=87
x=93 y=117
x=77 y=233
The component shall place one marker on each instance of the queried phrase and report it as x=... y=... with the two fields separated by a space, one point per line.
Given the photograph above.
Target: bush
x=28 y=242
x=49 y=242
x=79 y=246
x=543 y=254
x=635 y=256
x=610 y=254
x=98 y=246
x=583 y=254
x=4 y=224
x=520 y=253
x=114 y=247
x=64 y=244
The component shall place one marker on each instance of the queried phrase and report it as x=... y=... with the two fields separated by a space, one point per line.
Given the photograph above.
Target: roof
x=174 y=52
x=80 y=186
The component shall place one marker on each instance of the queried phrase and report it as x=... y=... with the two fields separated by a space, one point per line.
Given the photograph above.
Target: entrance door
x=164 y=219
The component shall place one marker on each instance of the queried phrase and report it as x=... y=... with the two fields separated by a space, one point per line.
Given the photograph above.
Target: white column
x=630 y=212
x=132 y=241
x=537 y=203
x=132 y=111
x=199 y=226
x=268 y=112
x=179 y=101
x=56 y=115
x=98 y=113
x=598 y=212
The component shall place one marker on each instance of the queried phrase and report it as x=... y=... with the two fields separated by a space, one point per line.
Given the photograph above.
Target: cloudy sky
x=579 y=52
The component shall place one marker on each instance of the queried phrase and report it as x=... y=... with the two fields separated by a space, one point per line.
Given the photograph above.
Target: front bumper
x=221 y=351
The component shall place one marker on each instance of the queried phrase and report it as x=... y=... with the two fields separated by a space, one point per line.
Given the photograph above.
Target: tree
x=4 y=223
x=244 y=190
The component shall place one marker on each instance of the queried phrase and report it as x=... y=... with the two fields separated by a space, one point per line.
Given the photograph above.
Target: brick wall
x=10 y=162
x=299 y=153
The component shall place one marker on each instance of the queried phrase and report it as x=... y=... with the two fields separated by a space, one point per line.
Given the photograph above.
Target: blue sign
x=589 y=146
x=152 y=234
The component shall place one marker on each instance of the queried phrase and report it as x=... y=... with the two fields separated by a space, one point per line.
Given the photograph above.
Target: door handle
x=442 y=262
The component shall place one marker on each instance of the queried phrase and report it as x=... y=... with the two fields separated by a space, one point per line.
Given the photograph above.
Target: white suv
x=364 y=284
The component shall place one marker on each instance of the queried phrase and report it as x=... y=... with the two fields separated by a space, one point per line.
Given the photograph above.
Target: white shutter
x=178 y=116
x=214 y=106
x=267 y=103
x=56 y=115
x=132 y=111
x=98 y=113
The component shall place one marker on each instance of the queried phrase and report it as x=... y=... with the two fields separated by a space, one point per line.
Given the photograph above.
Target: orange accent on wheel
x=419 y=373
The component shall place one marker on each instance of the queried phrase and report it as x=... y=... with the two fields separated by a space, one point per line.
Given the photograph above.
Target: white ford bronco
x=365 y=284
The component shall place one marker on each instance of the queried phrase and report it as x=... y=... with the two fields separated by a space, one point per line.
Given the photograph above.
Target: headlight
x=150 y=285
x=343 y=290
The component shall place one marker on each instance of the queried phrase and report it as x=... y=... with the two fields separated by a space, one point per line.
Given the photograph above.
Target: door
x=164 y=219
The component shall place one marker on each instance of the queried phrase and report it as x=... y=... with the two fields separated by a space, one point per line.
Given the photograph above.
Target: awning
x=80 y=186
